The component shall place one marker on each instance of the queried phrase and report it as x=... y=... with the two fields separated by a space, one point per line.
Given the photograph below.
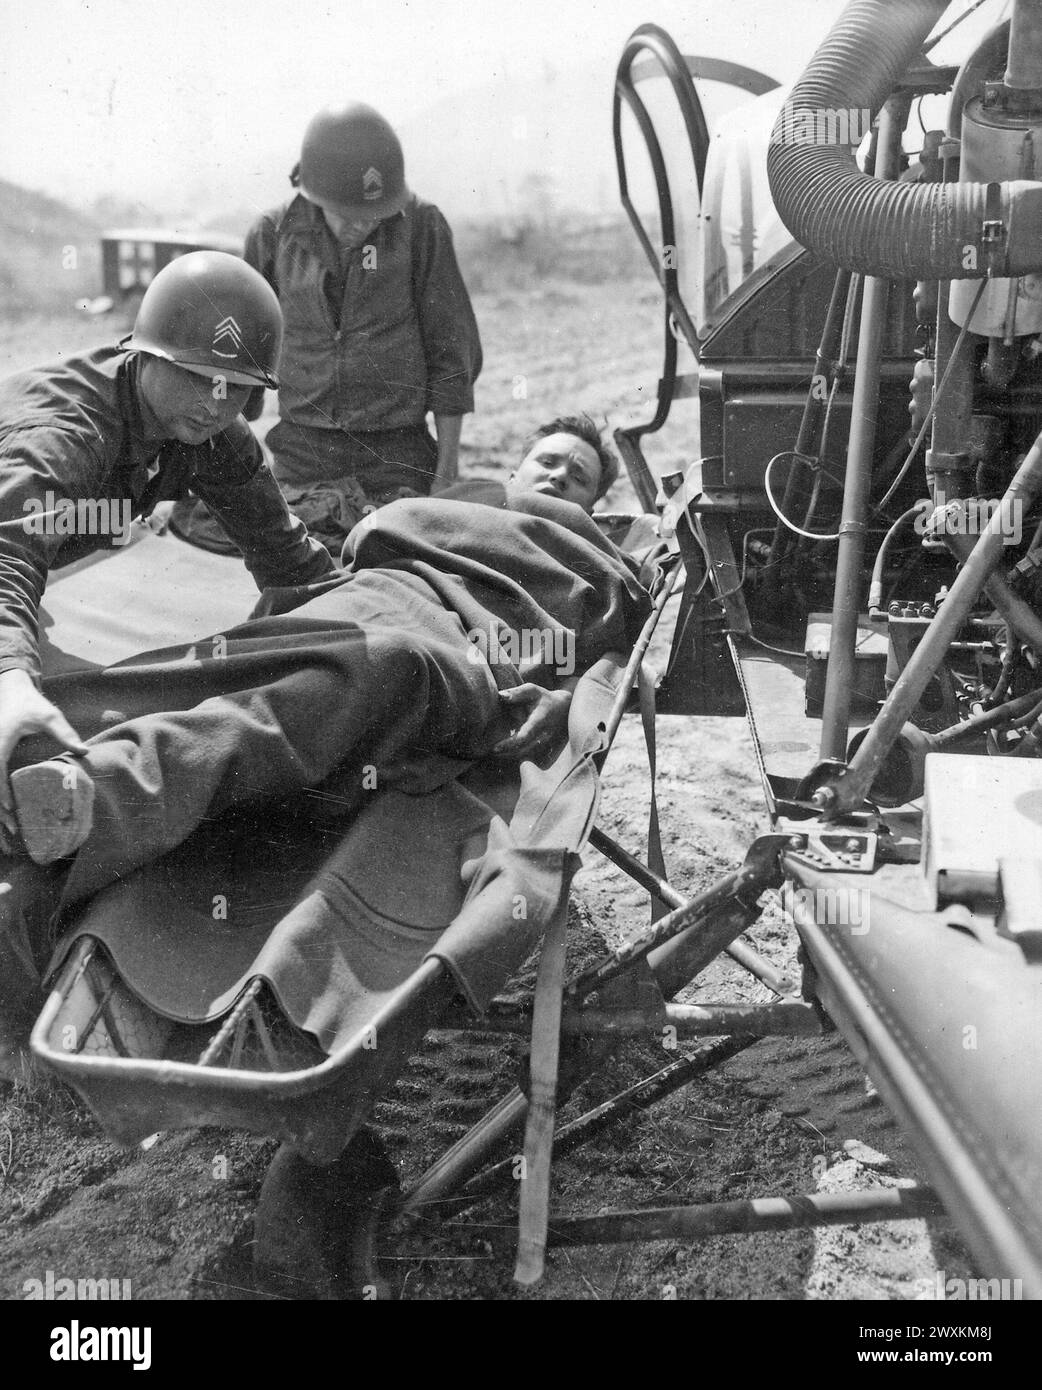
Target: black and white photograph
x=520 y=662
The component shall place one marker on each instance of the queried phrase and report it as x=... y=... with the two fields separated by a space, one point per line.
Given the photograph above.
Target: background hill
x=49 y=254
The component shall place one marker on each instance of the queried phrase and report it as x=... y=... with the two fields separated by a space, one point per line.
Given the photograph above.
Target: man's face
x=561 y=465
x=350 y=232
x=189 y=406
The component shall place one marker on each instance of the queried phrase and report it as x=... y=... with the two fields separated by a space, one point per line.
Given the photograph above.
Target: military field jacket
x=375 y=336
x=78 y=461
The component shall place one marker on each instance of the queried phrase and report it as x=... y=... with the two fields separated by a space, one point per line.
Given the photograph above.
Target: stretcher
x=163 y=1013
x=221 y=1039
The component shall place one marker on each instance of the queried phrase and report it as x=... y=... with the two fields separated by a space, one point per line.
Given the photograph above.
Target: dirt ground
x=782 y=1117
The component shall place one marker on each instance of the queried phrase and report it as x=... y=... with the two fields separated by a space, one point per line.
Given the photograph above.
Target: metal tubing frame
x=741 y=953
x=694 y=914
x=652 y=39
x=742 y=1218
x=1021 y=617
x=675 y=964
x=988 y=719
x=641 y=1096
x=839 y=680
x=849 y=789
x=789 y=1019
x=467 y=1154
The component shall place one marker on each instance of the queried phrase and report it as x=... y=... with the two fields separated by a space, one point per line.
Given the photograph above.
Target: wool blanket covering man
x=373 y=677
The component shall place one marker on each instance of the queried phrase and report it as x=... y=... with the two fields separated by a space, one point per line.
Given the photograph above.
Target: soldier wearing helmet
x=379 y=327
x=128 y=427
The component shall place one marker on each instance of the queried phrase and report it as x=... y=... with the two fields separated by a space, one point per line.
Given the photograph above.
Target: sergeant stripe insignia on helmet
x=372 y=184
x=227 y=333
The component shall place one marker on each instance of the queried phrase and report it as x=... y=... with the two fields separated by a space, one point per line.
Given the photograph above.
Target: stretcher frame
x=315 y=1109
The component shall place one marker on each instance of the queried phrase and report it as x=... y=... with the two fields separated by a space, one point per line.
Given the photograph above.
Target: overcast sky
x=145 y=98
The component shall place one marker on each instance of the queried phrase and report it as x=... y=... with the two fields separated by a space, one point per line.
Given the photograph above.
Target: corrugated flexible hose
x=898 y=230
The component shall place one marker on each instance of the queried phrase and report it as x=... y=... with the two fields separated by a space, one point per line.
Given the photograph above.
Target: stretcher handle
x=640 y=647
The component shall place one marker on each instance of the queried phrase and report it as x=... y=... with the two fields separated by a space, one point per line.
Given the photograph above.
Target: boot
x=54 y=802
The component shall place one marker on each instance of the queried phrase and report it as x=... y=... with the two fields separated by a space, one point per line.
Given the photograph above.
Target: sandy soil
x=782 y=1117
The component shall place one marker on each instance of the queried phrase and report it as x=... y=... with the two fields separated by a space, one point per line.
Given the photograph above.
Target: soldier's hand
x=158 y=519
x=542 y=717
x=23 y=711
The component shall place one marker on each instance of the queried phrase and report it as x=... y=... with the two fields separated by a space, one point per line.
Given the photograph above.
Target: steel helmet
x=211 y=313
x=351 y=161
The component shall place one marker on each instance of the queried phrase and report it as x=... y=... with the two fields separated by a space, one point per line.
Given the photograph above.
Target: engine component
x=929 y=231
x=999 y=144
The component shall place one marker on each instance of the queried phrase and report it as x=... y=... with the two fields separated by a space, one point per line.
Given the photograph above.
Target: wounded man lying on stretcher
x=372 y=668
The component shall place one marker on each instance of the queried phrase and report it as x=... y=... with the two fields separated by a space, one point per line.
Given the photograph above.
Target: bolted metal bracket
x=846 y=847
